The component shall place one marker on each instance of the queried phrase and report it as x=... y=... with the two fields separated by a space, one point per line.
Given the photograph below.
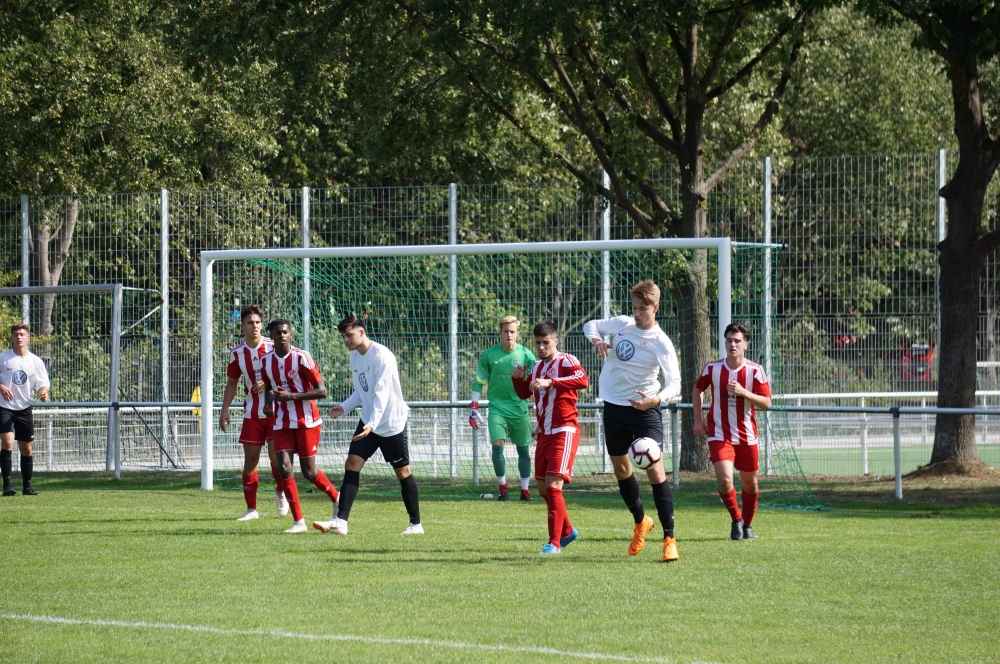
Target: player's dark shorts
x=623 y=424
x=21 y=422
x=395 y=449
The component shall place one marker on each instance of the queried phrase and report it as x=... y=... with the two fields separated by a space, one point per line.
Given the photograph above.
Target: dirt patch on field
x=955 y=469
x=979 y=485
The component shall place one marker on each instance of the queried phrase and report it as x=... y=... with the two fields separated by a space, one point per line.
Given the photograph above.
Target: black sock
x=664 y=501
x=6 y=464
x=348 y=492
x=408 y=488
x=629 y=488
x=27 y=466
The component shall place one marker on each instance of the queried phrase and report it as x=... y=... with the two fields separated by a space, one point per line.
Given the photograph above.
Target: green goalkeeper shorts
x=517 y=428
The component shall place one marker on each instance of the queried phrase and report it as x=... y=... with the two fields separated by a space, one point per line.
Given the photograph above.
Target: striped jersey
x=555 y=406
x=297 y=373
x=731 y=418
x=247 y=363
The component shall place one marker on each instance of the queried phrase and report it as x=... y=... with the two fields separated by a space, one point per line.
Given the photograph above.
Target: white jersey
x=635 y=361
x=22 y=376
x=378 y=391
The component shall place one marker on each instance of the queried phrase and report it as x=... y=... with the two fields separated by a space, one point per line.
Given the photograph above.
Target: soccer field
x=152 y=568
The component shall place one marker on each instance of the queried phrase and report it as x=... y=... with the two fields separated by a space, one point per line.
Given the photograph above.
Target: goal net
x=438 y=311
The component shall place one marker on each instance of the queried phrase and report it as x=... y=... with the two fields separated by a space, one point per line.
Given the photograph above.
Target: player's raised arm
x=521 y=381
x=577 y=380
x=349 y=404
x=595 y=331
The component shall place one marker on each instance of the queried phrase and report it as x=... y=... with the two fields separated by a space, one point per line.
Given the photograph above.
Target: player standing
x=631 y=393
x=508 y=414
x=738 y=387
x=257 y=429
x=292 y=380
x=383 y=425
x=554 y=379
x=22 y=373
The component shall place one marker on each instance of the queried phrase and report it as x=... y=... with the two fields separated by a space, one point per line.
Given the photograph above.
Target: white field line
x=458 y=645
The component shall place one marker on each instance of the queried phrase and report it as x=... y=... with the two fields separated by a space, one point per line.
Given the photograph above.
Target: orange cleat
x=669 y=549
x=639 y=535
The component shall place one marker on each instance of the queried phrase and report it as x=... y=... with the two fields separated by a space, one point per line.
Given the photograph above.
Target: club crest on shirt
x=19 y=378
x=364 y=382
x=624 y=350
x=293 y=374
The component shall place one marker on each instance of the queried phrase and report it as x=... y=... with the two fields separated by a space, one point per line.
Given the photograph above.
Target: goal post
x=723 y=284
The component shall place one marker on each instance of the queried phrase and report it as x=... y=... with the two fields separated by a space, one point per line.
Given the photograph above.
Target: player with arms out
x=508 y=414
x=738 y=387
x=631 y=393
x=554 y=380
x=292 y=383
x=383 y=425
x=22 y=373
x=257 y=429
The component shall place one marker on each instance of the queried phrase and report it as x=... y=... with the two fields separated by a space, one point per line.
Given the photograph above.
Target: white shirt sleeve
x=351 y=402
x=671 y=372
x=598 y=329
x=41 y=374
x=381 y=389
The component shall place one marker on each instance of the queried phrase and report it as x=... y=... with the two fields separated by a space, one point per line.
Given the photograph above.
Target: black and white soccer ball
x=644 y=452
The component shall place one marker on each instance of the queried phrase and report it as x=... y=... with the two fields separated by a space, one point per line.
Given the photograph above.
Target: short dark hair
x=249 y=310
x=544 y=329
x=19 y=326
x=737 y=327
x=278 y=322
x=350 y=322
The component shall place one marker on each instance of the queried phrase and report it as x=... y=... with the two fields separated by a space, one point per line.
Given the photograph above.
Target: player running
x=383 y=425
x=554 y=379
x=631 y=392
x=292 y=383
x=508 y=414
x=22 y=373
x=738 y=387
x=257 y=428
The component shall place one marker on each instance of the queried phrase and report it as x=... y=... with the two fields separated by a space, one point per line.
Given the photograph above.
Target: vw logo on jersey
x=19 y=377
x=363 y=381
x=624 y=350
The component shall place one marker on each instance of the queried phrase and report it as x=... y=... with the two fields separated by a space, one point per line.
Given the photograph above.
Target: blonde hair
x=508 y=320
x=646 y=291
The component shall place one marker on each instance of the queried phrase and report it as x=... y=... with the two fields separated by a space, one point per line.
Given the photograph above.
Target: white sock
x=501 y=479
x=525 y=483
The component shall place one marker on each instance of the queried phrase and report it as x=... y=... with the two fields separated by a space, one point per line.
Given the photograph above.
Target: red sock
x=749 y=506
x=279 y=484
x=729 y=500
x=323 y=484
x=557 y=514
x=567 y=528
x=292 y=493
x=250 y=483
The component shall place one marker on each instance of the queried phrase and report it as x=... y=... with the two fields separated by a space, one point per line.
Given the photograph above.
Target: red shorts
x=257 y=430
x=302 y=441
x=555 y=454
x=744 y=457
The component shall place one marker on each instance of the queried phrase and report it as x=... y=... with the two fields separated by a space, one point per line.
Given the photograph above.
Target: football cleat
x=736 y=532
x=550 y=549
x=28 y=491
x=298 y=527
x=338 y=527
x=322 y=526
x=414 y=529
x=669 y=549
x=639 y=535
x=748 y=533
x=525 y=495
x=281 y=502
x=503 y=493
x=249 y=515
x=8 y=490
x=569 y=539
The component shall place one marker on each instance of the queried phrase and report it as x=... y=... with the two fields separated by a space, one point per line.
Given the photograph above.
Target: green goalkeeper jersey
x=493 y=378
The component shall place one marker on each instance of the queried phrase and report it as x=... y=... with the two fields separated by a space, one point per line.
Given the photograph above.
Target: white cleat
x=298 y=527
x=249 y=515
x=414 y=529
x=282 y=503
x=338 y=527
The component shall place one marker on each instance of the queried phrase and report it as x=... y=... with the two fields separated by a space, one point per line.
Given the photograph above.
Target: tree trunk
x=694 y=351
x=49 y=260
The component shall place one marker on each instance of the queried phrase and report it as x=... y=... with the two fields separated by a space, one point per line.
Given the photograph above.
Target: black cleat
x=9 y=491
x=28 y=491
x=736 y=532
x=525 y=495
x=748 y=533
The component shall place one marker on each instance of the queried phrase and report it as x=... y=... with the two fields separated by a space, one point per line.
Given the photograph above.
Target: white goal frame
x=722 y=246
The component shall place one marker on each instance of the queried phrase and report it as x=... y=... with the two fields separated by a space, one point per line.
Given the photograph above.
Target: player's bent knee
x=403 y=472
x=354 y=463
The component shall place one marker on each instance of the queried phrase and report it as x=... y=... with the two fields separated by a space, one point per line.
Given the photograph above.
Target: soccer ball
x=644 y=452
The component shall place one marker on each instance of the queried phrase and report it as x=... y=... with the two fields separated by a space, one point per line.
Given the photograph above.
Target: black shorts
x=21 y=422
x=623 y=424
x=395 y=449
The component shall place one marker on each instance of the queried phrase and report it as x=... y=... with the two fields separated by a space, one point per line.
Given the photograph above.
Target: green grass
x=863 y=583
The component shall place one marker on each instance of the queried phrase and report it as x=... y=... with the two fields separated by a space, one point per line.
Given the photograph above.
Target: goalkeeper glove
x=475 y=419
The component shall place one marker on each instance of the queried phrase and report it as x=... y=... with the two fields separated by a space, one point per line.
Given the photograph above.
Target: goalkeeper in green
x=508 y=413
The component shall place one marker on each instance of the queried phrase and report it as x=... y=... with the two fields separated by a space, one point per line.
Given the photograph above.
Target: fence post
x=48 y=443
x=798 y=402
x=434 y=443
x=941 y=212
x=768 y=304
x=25 y=258
x=306 y=286
x=864 y=440
x=164 y=315
x=986 y=419
x=453 y=324
x=897 y=453
x=675 y=443
x=113 y=454
x=923 y=417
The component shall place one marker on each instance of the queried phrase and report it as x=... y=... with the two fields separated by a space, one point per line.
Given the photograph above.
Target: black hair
x=737 y=327
x=350 y=322
x=544 y=329
x=277 y=322
x=249 y=310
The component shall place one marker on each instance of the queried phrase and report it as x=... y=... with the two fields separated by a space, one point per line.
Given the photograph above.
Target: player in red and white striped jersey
x=738 y=386
x=292 y=383
x=256 y=429
x=554 y=379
